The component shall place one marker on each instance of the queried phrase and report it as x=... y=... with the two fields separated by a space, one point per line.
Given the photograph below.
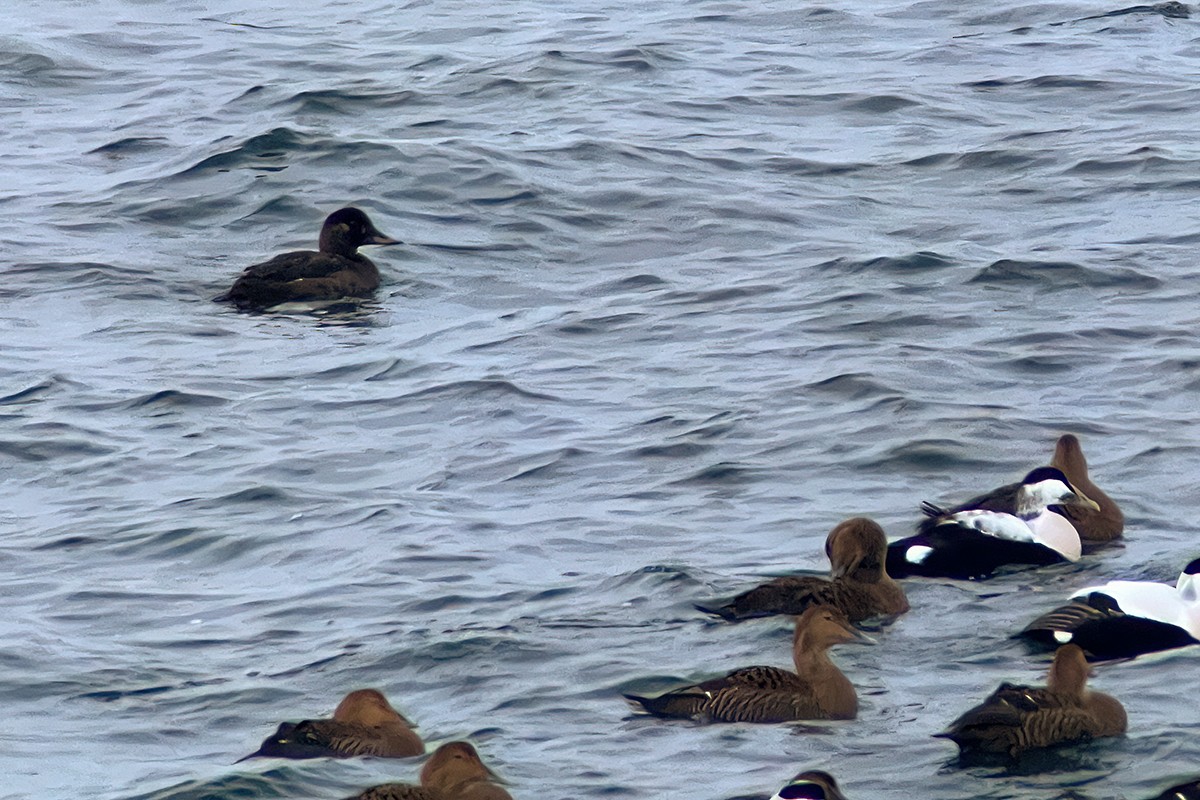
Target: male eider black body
x=1123 y=619
x=334 y=271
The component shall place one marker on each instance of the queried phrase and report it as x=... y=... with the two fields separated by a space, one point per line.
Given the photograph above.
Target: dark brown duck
x=1094 y=525
x=335 y=270
x=364 y=724
x=811 y=785
x=1020 y=718
x=816 y=690
x=453 y=772
x=859 y=584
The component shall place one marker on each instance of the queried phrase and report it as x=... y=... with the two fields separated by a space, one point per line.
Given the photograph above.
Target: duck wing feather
x=794 y=594
x=1003 y=500
x=1017 y=718
x=750 y=694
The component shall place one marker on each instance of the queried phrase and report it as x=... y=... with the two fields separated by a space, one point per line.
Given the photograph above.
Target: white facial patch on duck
x=1187 y=587
x=1034 y=497
x=917 y=554
x=1063 y=637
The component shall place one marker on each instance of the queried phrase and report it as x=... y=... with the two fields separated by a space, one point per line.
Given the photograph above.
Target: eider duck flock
x=1054 y=514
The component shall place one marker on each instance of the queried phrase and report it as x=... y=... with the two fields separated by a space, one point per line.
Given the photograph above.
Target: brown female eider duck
x=333 y=271
x=1123 y=619
x=1019 y=718
x=1094 y=525
x=859 y=584
x=811 y=785
x=364 y=724
x=1015 y=524
x=453 y=772
x=816 y=690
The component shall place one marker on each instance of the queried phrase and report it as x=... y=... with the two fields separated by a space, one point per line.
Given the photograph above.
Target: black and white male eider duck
x=1123 y=619
x=811 y=785
x=454 y=772
x=335 y=270
x=363 y=724
x=859 y=584
x=816 y=690
x=1015 y=719
x=1016 y=524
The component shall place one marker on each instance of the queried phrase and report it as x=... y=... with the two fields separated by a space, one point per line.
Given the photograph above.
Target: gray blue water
x=686 y=284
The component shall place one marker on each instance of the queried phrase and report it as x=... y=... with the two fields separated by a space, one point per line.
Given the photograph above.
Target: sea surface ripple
x=686 y=284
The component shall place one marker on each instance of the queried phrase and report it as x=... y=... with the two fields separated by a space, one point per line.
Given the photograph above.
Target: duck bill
x=255 y=754
x=379 y=238
x=855 y=636
x=1083 y=500
x=862 y=638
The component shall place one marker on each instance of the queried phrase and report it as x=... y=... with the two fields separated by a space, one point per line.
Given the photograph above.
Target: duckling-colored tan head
x=857 y=547
x=453 y=764
x=367 y=707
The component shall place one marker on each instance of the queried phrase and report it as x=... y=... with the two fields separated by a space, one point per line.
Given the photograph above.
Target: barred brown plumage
x=363 y=724
x=816 y=690
x=1019 y=718
x=860 y=586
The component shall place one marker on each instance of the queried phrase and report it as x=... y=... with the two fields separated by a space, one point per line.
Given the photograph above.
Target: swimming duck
x=453 y=772
x=860 y=585
x=811 y=785
x=335 y=270
x=1015 y=524
x=363 y=724
x=1019 y=718
x=1184 y=791
x=1094 y=525
x=1122 y=619
x=816 y=690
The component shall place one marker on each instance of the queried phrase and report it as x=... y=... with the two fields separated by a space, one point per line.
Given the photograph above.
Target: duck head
x=821 y=627
x=1069 y=672
x=811 y=785
x=348 y=229
x=453 y=764
x=858 y=547
x=1188 y=584
x=1048 y=486
x=367 y=707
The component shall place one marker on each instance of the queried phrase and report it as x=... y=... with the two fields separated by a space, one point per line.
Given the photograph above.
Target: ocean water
x=685 y=285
